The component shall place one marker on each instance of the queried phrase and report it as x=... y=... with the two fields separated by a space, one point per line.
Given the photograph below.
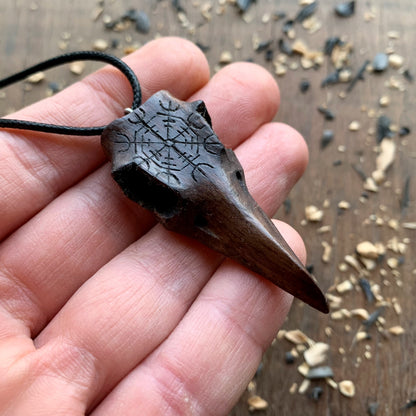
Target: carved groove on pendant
x=169 y=141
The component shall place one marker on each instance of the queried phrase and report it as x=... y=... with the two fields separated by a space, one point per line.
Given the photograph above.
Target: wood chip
x=334 y=301
x=332 y=383
x=361 y=313
x=304 y=386
x=252 y=386
x=77 y=68
x=326 y=255
x=297 y=337
x=396 y=330
x=303 y=369
x=369 y=264
x=397 y=307
x=324 y=229
x=354 y=126
x=361 y=335
x=100 y=45
x=337 y=315
x=384 y=101
x=279 y=69
x=316 y=354
x=345 y=75
x=293 y=388
x=367 y=249
x=395 y=60
x=225 y=58
x=379 y=176
x=344 y=286
x=387 y=154
x=353 y=262
x=392 y=262
x=393 y=34
x=344 y=205
x=36 y=78
x=370 y=185
x=257 y=403
x=347 y=388
x=313 y=213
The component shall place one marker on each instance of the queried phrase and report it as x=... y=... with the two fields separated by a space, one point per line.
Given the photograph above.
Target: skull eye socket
x=146 y=191
x=200 y=221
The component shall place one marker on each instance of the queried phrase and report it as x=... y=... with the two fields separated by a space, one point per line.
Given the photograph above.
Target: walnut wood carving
x=167 y=158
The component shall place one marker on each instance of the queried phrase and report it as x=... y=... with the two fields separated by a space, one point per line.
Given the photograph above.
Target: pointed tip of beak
x=304 y=286
x=315 y=298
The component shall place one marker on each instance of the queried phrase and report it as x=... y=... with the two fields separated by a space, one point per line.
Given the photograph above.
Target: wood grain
x=388 y=375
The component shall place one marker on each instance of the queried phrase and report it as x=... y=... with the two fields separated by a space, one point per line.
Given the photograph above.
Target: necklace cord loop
x=60 y=60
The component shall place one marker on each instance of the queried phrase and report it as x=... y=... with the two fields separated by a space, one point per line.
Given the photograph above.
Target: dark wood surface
x=383 y=369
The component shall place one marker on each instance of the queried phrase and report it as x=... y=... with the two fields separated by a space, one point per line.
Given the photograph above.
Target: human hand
x=104 y=312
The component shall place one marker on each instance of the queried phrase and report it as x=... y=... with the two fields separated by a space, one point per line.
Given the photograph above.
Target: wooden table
x=382 y=368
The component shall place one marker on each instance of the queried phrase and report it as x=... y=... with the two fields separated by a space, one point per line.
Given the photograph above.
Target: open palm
x=103 y=311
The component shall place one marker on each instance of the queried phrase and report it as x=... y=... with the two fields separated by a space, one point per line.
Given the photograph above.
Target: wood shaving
x=225 y=58
x=396 y=330
x=370 y=185
x=379 y=176
x=344 y=286
x=341 y=314
x=367 y=249
x=354 y=126
x=324 y=229
x=395 y=61
x=387 y=154
x=344 y=205
x=279 y=69
x=332 y=383
x=334 y=301
x=77 y=68
x=100 y=45
x=257 y=403
x=384 y=101
x=304 y=386
x=392 y=262
x=353 y=262
x=347 y=388
x=369 y=264
x=303 y=369
x=326 y=255
x=36 y=78
x=361 y=335
x=312 y=24
x=393 y=34
x=297 y=337
x=313 y=213
x=345 y=75
x=316 y=354
x=293 y=388
x=397 y=307
x=396 y=246
x=361 y=313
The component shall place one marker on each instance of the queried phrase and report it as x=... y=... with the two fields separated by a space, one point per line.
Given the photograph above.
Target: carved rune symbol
x=169 y=141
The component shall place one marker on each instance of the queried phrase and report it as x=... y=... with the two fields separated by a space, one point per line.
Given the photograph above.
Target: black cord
x=60 y=60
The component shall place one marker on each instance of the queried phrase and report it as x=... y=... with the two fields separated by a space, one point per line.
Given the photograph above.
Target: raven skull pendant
x=166 y=157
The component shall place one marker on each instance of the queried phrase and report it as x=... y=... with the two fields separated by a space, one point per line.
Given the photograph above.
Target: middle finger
x=52 y=255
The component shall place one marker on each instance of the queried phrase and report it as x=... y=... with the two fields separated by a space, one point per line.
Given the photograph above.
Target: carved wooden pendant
x=167 y=158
